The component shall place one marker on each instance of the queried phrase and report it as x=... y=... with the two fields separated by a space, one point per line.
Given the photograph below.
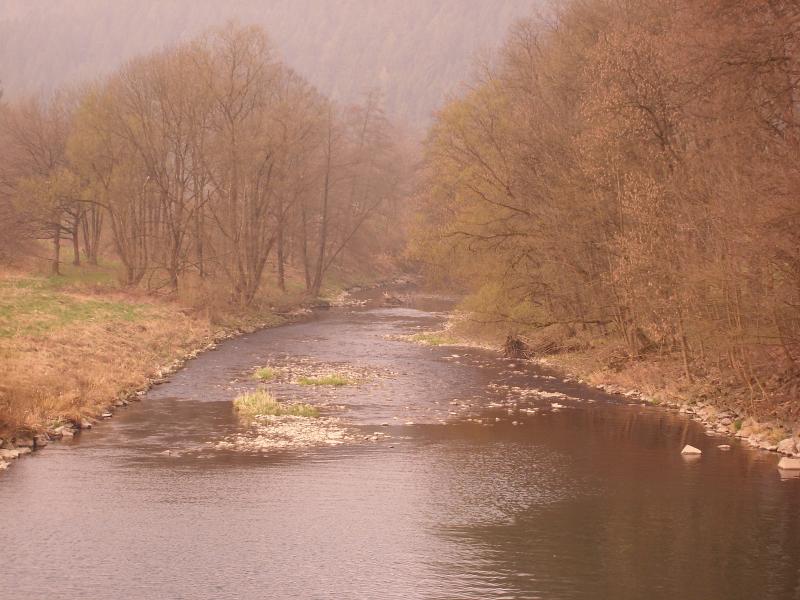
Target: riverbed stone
x=787 y=446
x=3 y=465
x=8 y=454
x=41 y=440
x=789 y=464
x=691 y=450
x=24 y=442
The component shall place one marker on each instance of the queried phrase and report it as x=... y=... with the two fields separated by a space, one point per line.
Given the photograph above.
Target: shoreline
x=21 y=442
x=770 y=435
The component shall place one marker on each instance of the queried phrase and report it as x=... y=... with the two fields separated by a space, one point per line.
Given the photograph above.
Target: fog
x=414 y=51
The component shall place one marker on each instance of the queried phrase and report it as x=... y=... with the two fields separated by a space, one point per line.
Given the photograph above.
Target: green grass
x=334 y=380
x=432 y=339
x=37 y=305
x=265 y=374
x=262 y=404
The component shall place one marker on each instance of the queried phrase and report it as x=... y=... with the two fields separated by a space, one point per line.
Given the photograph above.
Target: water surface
x=589 y=501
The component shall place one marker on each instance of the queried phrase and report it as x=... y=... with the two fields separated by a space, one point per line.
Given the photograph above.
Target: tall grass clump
x=261 y=403
x=265 y=374
x=333 y=380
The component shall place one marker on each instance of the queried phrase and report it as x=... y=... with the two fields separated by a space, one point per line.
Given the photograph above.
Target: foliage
x=628 y=171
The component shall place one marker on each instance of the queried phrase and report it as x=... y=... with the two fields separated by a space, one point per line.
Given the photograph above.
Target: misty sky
x=415 y=51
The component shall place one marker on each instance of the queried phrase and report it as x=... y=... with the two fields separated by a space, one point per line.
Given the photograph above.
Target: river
x=476 y=488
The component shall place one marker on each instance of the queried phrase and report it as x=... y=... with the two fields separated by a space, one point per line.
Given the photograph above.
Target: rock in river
x=691 y=450
x=789 y=464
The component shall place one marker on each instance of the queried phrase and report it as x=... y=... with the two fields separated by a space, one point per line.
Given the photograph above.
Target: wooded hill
x=413 y=51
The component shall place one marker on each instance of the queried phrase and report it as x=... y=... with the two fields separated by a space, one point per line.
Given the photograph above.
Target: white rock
x=9 y=454
x=789 y=464
x=3 y=465
x=691 y=450
x=724 y=447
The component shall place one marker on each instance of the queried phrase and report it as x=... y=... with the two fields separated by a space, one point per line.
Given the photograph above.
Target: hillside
x=415 y=51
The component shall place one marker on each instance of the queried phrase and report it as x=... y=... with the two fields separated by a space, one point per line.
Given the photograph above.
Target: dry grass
x=333 y=379
x=261 y=403
x=66 y=355
x=70 y=345
x=265 y=374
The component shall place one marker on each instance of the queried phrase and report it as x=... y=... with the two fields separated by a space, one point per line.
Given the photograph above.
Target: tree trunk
x=55 y=268
x=76 y=247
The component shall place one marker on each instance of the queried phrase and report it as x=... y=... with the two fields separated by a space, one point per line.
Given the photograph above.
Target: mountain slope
x=415 y=51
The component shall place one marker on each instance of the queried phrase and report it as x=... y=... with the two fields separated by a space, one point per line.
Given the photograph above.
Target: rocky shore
x=772 y=436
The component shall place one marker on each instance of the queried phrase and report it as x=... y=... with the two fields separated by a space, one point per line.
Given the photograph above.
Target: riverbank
x=77 y=348
x=723 y=409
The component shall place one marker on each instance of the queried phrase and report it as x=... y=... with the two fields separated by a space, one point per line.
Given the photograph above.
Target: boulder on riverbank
x=787 y=446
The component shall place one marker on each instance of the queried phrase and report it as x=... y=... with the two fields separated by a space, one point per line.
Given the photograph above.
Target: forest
x=200 y=163
x=622 y=182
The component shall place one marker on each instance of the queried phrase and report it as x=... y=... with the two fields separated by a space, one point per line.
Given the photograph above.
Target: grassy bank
x=72 y=345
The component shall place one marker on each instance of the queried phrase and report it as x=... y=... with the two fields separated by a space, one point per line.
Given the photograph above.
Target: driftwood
x=390 y=300
x=516 y=348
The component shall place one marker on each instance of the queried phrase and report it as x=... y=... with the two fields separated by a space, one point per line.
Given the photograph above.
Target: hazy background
x=415 y=51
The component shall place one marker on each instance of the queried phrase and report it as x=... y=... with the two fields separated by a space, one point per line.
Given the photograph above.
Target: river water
x=590 y=499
